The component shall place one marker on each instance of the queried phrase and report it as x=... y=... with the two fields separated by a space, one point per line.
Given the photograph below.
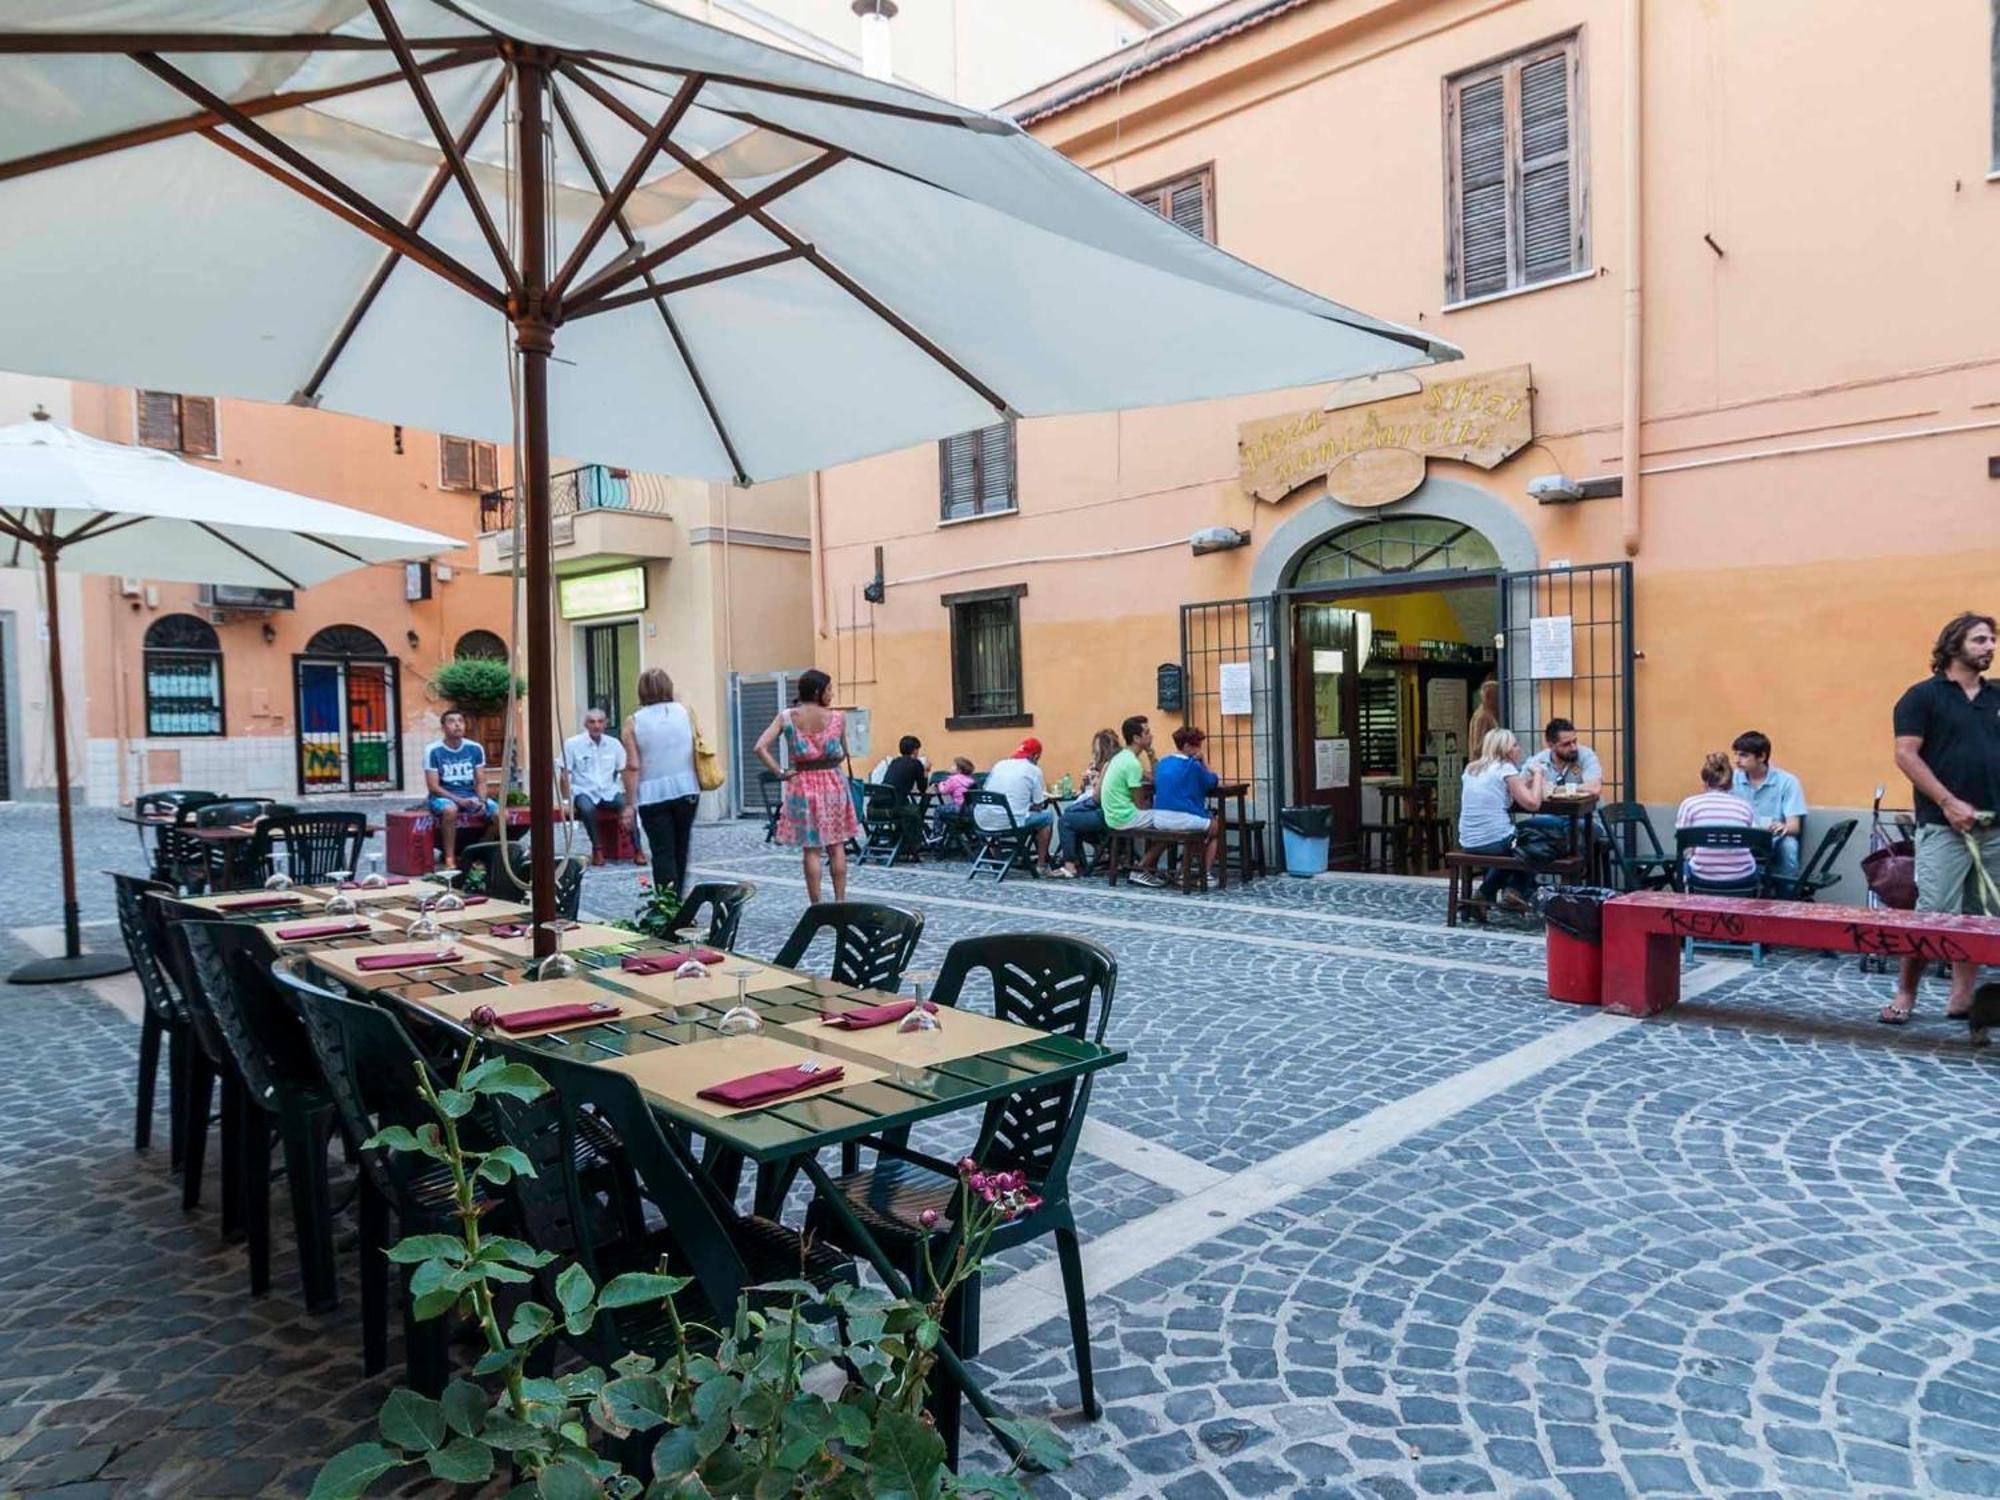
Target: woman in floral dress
x=818 y=810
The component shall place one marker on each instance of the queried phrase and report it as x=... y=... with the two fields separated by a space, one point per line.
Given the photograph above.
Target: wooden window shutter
x=455 y=464
x=1548 y=224
x=996 y=467
x=485 y=466
x=958 y=475
x=160 y=420
x=198 y=426
x=1188 y=201
x=1482 y=260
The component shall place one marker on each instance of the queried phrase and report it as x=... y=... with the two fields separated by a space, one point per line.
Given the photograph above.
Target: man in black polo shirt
x=1948 y=744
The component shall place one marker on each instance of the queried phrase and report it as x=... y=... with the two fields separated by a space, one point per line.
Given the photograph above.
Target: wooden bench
x=1462 y=868
x=1643 y=933
x=1193 y=847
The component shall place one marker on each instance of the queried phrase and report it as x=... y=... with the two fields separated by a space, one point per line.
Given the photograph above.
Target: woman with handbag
x=663 y=786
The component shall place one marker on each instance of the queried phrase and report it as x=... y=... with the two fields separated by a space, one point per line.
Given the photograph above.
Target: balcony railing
x=585 y=488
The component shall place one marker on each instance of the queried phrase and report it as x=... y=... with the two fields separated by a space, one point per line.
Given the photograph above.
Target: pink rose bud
x=928 y=1218
x=967 y=1166
x=486 y=1015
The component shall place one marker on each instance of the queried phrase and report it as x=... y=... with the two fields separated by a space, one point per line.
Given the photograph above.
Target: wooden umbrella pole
x=59 y=719
x=534 y=336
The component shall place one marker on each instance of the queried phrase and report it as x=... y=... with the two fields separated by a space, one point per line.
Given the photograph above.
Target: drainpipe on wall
x=821 y=606
x=1635 y=305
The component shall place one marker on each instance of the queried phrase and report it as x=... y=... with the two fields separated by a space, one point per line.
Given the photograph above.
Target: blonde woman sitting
x=1492 y=787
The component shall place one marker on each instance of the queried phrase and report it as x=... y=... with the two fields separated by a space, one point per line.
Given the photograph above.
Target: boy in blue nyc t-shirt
x=451 y=773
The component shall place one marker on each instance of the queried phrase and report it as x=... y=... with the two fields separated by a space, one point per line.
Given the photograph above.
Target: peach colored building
x=1720 y=454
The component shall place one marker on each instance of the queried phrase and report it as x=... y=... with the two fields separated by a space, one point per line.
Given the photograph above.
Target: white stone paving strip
x=1148 y=1159
x=1128 y=924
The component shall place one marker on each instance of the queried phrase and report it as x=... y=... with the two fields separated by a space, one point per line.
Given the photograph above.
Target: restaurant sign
x=1371 y=439
x=622 y=591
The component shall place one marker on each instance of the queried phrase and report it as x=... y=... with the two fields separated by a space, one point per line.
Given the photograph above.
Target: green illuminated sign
x=622 y=591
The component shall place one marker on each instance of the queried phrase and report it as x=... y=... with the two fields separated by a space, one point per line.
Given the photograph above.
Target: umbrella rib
x=615 y=200
x=17 y=528
x=387 y=227
x=433 y=190
x=239 y=547
x=673 y=328
x=102 y=524
x=655 y=289
x=752 y=206
x=797 y=91
x=166 y=130
x=320 y=541
x=132 y=42
x=454 y=156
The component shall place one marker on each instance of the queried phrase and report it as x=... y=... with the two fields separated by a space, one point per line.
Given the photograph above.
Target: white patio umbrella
x=71 y=503
x=750 y=264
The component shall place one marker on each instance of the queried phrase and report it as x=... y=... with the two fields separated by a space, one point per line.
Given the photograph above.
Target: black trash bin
x=1575 y=914
x=1308 y=833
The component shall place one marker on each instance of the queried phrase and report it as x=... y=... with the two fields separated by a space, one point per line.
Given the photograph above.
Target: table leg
x=948 y=1360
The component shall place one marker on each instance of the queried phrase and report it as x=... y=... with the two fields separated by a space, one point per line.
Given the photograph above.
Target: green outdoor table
x=797 y=1130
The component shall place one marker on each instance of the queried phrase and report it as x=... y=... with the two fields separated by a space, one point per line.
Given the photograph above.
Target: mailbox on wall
x=1171 y=694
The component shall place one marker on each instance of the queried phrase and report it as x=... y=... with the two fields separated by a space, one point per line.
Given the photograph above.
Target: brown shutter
x=996 y=468
x=160 y=420
x=454 y=463
x=1482 y=187
x=958 y=475
x=1187 y=206
x=1548 y=239
x=485 y=466
x=198 y=426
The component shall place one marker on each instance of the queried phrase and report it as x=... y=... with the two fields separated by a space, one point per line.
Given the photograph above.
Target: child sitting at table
x=951 y=791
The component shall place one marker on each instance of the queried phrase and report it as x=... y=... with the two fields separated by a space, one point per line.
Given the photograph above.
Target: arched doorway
x=480 y=645
x=347 y=692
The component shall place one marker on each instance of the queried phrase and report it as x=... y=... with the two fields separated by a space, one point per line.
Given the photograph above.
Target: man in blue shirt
x=1775 y=797
x=451 y=773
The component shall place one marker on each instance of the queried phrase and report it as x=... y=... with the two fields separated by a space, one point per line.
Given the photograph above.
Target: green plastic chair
x=873 y=942
x=724 y=903
x=164 y=1019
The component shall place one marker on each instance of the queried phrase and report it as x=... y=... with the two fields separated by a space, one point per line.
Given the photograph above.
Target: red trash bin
x=1576 y=969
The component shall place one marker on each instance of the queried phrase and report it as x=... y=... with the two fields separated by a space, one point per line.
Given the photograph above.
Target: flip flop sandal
x=1892 y=1015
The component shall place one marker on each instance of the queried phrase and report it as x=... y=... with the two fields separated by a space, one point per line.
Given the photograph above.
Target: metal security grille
x=182 y=658
x=986 y=658
x=349 y=719
x=604 y=671
x=1595 y=694
x=1228 y=650
x=754 y=701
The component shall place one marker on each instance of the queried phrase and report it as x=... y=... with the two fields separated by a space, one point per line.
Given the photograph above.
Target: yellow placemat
x=588 y=935
x=719 y=986
x=519 y=997
x=962 y=1033
x=345 y=962
x=364 y=926
x=485 y=911
x=679 y=1074
x=303 y=899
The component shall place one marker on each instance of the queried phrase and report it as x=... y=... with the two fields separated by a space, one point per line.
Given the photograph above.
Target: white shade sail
x=143 y=513
x=908 y=268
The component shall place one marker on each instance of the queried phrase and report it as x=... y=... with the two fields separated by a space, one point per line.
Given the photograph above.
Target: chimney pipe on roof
x=876 y=56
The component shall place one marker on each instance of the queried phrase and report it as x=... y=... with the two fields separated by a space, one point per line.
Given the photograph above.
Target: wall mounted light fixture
x=411 y=637
x=270 y=632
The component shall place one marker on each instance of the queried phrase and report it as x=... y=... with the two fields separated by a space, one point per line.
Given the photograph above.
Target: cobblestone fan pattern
x=1749 y=1249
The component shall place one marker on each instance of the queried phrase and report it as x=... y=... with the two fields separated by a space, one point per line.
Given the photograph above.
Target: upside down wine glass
x=450 y=900
x=923 y=1016
x=740 y=1019
x=558 y=965
x=341 y=902
x=374 y=880
x=281 y=871
x=426 y=925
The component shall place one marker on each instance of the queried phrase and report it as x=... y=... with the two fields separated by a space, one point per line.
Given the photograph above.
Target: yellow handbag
x=707 y=764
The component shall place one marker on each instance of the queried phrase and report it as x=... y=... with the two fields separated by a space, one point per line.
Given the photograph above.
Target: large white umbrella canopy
x=73 y=503
x=742 y=263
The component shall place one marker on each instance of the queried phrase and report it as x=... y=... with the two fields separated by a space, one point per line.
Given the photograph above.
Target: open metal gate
x=1230 y=687
x=754 y=701
x=1566 y=652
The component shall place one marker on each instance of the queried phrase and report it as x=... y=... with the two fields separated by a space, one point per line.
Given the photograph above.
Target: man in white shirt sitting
x=591 y=765
x=1019 y=779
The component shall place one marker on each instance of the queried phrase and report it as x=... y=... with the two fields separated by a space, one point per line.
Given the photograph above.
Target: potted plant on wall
x=477 y=687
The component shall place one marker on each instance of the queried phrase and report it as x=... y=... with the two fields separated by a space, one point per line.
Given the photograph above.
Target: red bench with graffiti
x=1643 y=933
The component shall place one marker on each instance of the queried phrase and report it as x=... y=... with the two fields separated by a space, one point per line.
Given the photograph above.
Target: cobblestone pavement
x=1366 y=1215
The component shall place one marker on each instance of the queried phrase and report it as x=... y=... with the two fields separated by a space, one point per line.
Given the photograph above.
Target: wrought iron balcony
x=572 y=492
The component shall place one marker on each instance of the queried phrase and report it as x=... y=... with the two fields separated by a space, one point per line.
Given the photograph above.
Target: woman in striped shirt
x=1716 y=805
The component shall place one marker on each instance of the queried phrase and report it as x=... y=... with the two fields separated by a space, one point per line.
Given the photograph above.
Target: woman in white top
x=1715 y=805
x=661 y=792
x=1489 y=791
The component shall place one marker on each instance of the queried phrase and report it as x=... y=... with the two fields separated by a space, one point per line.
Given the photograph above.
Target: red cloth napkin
x=508 y=929
x=555 y=1015
x=772 y=1083
x=355 y=885
x=320 y=930
x=667 y=963
x=258 y=903
x=373 y=961
x=861 y=1018
x=475 y=900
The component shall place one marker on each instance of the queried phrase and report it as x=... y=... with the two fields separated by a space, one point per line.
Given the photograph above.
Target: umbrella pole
x=534 y=336
x=74 y=963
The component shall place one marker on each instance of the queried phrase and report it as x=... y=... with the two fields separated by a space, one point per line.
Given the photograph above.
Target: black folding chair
x=889 y=824
x=1755 y=841
x=1817 y=873
x=999 y=842
x=772 y=790
x=1638 y=862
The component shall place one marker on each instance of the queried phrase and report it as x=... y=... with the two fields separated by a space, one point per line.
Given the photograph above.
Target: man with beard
x=1948 y=744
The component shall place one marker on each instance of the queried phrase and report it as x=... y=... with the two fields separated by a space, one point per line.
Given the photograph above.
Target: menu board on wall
x=1447 y=709
x=1551 y=650
x=1332 y=765
x=1234 y=682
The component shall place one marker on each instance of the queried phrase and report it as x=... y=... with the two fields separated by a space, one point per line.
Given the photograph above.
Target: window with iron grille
x=976 y=473
x=183 y=666
x=1188 y=200
x=1516 y=174
x=179 y=424
x=986 y=658
x=467 y=465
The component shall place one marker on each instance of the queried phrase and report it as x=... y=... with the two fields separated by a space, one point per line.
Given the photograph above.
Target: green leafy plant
x=475 y=683
x=658 y=914
x=805 y=1394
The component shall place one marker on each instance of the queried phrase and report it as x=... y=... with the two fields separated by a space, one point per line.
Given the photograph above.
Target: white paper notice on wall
x=1330 y=765
x=1550 y=649
x=1234 y=681
x=1446 y=706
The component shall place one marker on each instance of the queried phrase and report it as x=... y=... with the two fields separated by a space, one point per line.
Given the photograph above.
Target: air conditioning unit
x=245 y=598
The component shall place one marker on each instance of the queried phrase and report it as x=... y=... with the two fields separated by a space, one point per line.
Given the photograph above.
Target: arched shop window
x=1390 y=545
x=183 y=662
x=481 y=645
x=346 y=640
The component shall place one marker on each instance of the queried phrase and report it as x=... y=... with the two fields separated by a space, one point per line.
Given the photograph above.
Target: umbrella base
x=71 y=970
